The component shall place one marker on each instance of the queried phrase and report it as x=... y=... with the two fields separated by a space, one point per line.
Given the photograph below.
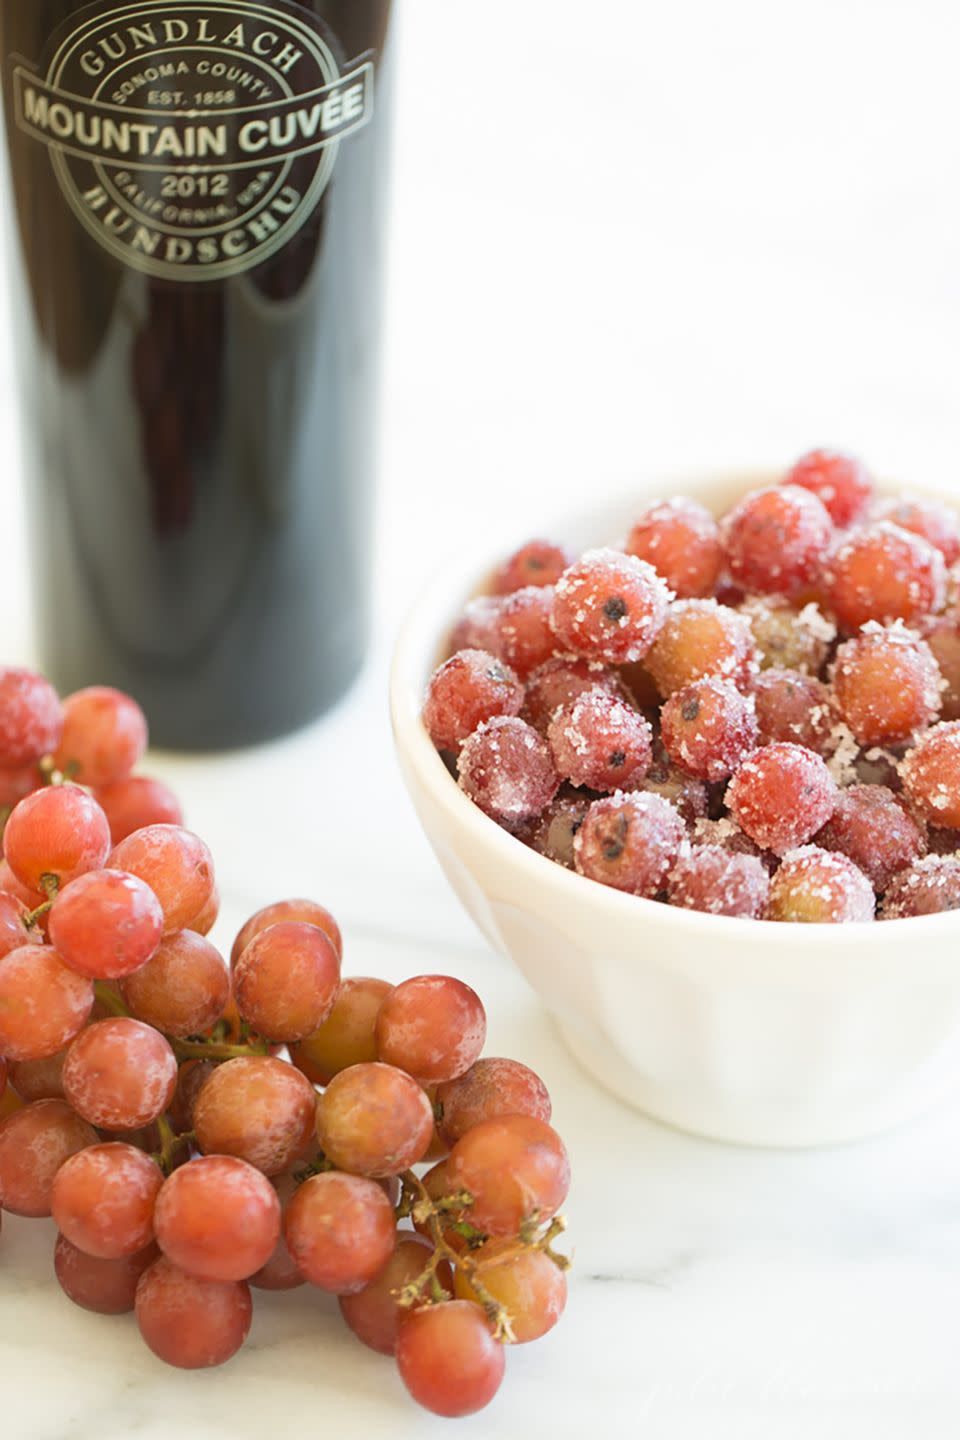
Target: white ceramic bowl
x=740 y=1030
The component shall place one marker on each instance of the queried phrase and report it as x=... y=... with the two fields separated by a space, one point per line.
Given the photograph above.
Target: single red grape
x=629 y=842
x=448 y=1359
x=796 y=708
x=927 y=887
x=781 y=796
x=104 y=736
x=528 y=1285
x=39 y=1079
x=374 y=1314
x=927 y=518
x=814 y=885
x=340 y=1230
x=348 y=1036
x=43 y=1004
x=260 y=1109
x=177 y=866
x=286 y=980
x=490 y=1088
x=308 y=911
x=31 y=718
x=469 y=688
x=106 y=924
x=515 y=1167
x=120 y=1074
x=189 y=1321
x=681 y=540
x=183 y=990
x=884 y=573
x=931 y=776
x=103 y=1200
x=719 y=882
x=432 y=1026
x=701 y=638
x=135 y=803
x=840 y=481
x=218 y=1217
x=874 y=829
x=60 y=831
x=507 y=770
x=34 y=1143
x=609 y=606
x=887 y=684
x=374 y=1120
x=777 y=539
x=559 y=682
x=600 y=742
x=538 y=562
x=708 y=727
x=107 y=1287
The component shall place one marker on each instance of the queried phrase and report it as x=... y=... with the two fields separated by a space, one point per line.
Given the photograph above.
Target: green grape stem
x=217 y=1050
x=110 y=1000
x=170 y=1143
x=37 y=915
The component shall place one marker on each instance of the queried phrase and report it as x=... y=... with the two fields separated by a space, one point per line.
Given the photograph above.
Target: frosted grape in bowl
x=741 y=1030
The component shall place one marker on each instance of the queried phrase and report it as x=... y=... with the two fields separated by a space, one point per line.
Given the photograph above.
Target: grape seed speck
x=753 y=714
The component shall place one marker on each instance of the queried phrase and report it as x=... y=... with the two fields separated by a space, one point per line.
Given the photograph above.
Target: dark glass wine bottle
x=197 y=226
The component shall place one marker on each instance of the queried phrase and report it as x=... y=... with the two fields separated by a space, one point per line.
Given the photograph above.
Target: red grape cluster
x=197 y=1128
x=757 y=716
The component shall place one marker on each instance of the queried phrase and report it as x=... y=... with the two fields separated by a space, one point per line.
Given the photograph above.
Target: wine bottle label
x=194 y=140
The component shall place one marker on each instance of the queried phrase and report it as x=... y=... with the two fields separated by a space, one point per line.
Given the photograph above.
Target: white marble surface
x=742 y=241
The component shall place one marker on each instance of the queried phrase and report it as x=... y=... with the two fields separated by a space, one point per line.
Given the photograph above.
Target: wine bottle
x=195 y=253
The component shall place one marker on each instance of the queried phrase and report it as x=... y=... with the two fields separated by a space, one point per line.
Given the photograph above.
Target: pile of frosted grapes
x=196 y=1128
x=757 y=716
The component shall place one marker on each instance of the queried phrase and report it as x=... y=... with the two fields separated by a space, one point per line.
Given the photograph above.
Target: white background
x=627 y=238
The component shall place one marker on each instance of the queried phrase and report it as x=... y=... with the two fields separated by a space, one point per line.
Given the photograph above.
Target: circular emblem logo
x=194 y=140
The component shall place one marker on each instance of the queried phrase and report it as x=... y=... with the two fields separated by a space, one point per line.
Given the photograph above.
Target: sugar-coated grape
x=258 y=1108
x=528 y=1285
x=448 y=1359
x=795 y=708
x=814 y=885
x=191 y=1322
x=686 y=794
x=135 y=803
x=681 y=540
x=787 y=638
x=552 y=834
x=469 y=688
x=307 y=911
x=781 y=796
x=538 y=562
x=609 y=606
x=700 y=638
x=490 y=1088
x=507 y=770
x=432 y=1026
x=106 y=924
x=103 y=1200
x=874 y=830
x=841 y=482
x=927 y=887
x=629 y=842
x=708 y=728
x=559 y=682
x=374 y=1120
x=341 y=1231
x=348 y=1036
x=887 y=684
x=884 y=573
x=107 y=1287
x=13 y=931
x=104 y=736
x=521 y=633
x=928 y=519
x=943 y=637
x=777 y=539
x=120 y=1074
x=719 y=882
x=31 y=718
x=183 y=989
x=280 y=1271
x=177 y=866
x=515 y=1167
x=931 y=776
x=43 y=1004
x=600 y=742
x=373 y=1313
x=34 y=1142
x=39 y=1079
x=218 y=1217
x=59 y=832
x=286 y=980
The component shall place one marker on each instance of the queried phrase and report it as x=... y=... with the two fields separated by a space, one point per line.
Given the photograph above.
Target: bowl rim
x=419 y=645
